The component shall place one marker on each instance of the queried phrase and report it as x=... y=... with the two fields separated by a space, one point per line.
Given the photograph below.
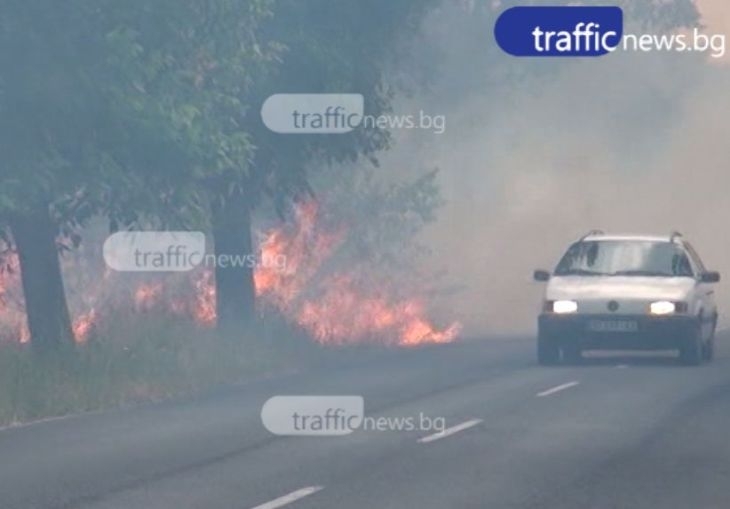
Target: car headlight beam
x=562 y=307
x=662 y=307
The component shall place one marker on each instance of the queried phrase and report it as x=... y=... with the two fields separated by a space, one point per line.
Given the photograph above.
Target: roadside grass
x=147 y=360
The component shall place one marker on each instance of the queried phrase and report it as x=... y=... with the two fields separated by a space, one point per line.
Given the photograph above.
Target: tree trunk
x=235 y=292
x=46 y=309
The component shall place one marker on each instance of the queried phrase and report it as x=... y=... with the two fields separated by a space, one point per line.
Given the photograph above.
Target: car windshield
x=625 y=258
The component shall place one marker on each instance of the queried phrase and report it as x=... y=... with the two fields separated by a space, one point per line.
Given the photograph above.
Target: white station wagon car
x=628 y=292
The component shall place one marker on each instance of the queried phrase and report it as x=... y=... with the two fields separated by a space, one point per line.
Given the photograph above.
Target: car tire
x=708 y=352
x=692 y=351
x=548 y=353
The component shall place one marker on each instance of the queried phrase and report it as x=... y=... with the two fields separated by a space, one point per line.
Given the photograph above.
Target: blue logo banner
x=559 y=31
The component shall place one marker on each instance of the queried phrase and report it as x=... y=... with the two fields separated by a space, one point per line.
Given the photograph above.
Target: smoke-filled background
x=536 y=153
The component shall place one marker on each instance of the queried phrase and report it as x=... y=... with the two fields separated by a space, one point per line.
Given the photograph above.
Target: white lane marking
x=558 y=388
x=622 y=366
x=449 y=431
x=291 y=497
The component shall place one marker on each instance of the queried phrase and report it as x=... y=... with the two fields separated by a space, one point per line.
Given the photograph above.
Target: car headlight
x=662 y=307
x=562 y=307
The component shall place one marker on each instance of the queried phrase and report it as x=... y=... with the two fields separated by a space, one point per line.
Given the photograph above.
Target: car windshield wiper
x=580 y=272
x=650 y=273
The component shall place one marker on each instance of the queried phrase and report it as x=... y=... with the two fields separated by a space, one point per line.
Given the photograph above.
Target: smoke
x=715 y=17
x=536 y=153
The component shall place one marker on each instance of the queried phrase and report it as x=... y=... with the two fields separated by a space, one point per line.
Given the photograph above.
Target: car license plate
x=613 y=326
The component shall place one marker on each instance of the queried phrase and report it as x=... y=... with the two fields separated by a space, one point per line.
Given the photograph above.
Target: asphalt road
x=614 y=432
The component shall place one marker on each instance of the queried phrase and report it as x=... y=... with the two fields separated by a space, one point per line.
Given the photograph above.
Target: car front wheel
x=708 y=352
x=693 y=351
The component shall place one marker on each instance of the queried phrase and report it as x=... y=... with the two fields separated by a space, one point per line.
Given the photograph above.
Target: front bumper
x=652 y=332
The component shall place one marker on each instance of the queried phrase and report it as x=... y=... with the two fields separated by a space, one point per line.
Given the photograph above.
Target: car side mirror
x=541 y=275
x=711 y=276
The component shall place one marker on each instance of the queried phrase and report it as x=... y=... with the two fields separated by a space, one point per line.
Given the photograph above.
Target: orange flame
x=303 y=251
x=147 y=296
x=204 y=309
x=333 y=309
x=83 y=325
x=12 y=315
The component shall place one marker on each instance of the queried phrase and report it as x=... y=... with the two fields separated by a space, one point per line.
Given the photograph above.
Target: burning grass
x=336 y=302
x=339 y=304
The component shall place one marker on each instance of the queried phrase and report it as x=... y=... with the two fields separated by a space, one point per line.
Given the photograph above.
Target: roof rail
x=592 y=232
x=674 y=235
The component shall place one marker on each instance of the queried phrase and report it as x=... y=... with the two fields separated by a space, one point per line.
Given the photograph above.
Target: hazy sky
x=716 y=15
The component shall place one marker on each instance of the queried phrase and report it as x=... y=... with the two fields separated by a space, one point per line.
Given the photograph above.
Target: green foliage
x=138 y=108
x=184 y=67
x=326 y=47
x=51 y=106
x=123 y=107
